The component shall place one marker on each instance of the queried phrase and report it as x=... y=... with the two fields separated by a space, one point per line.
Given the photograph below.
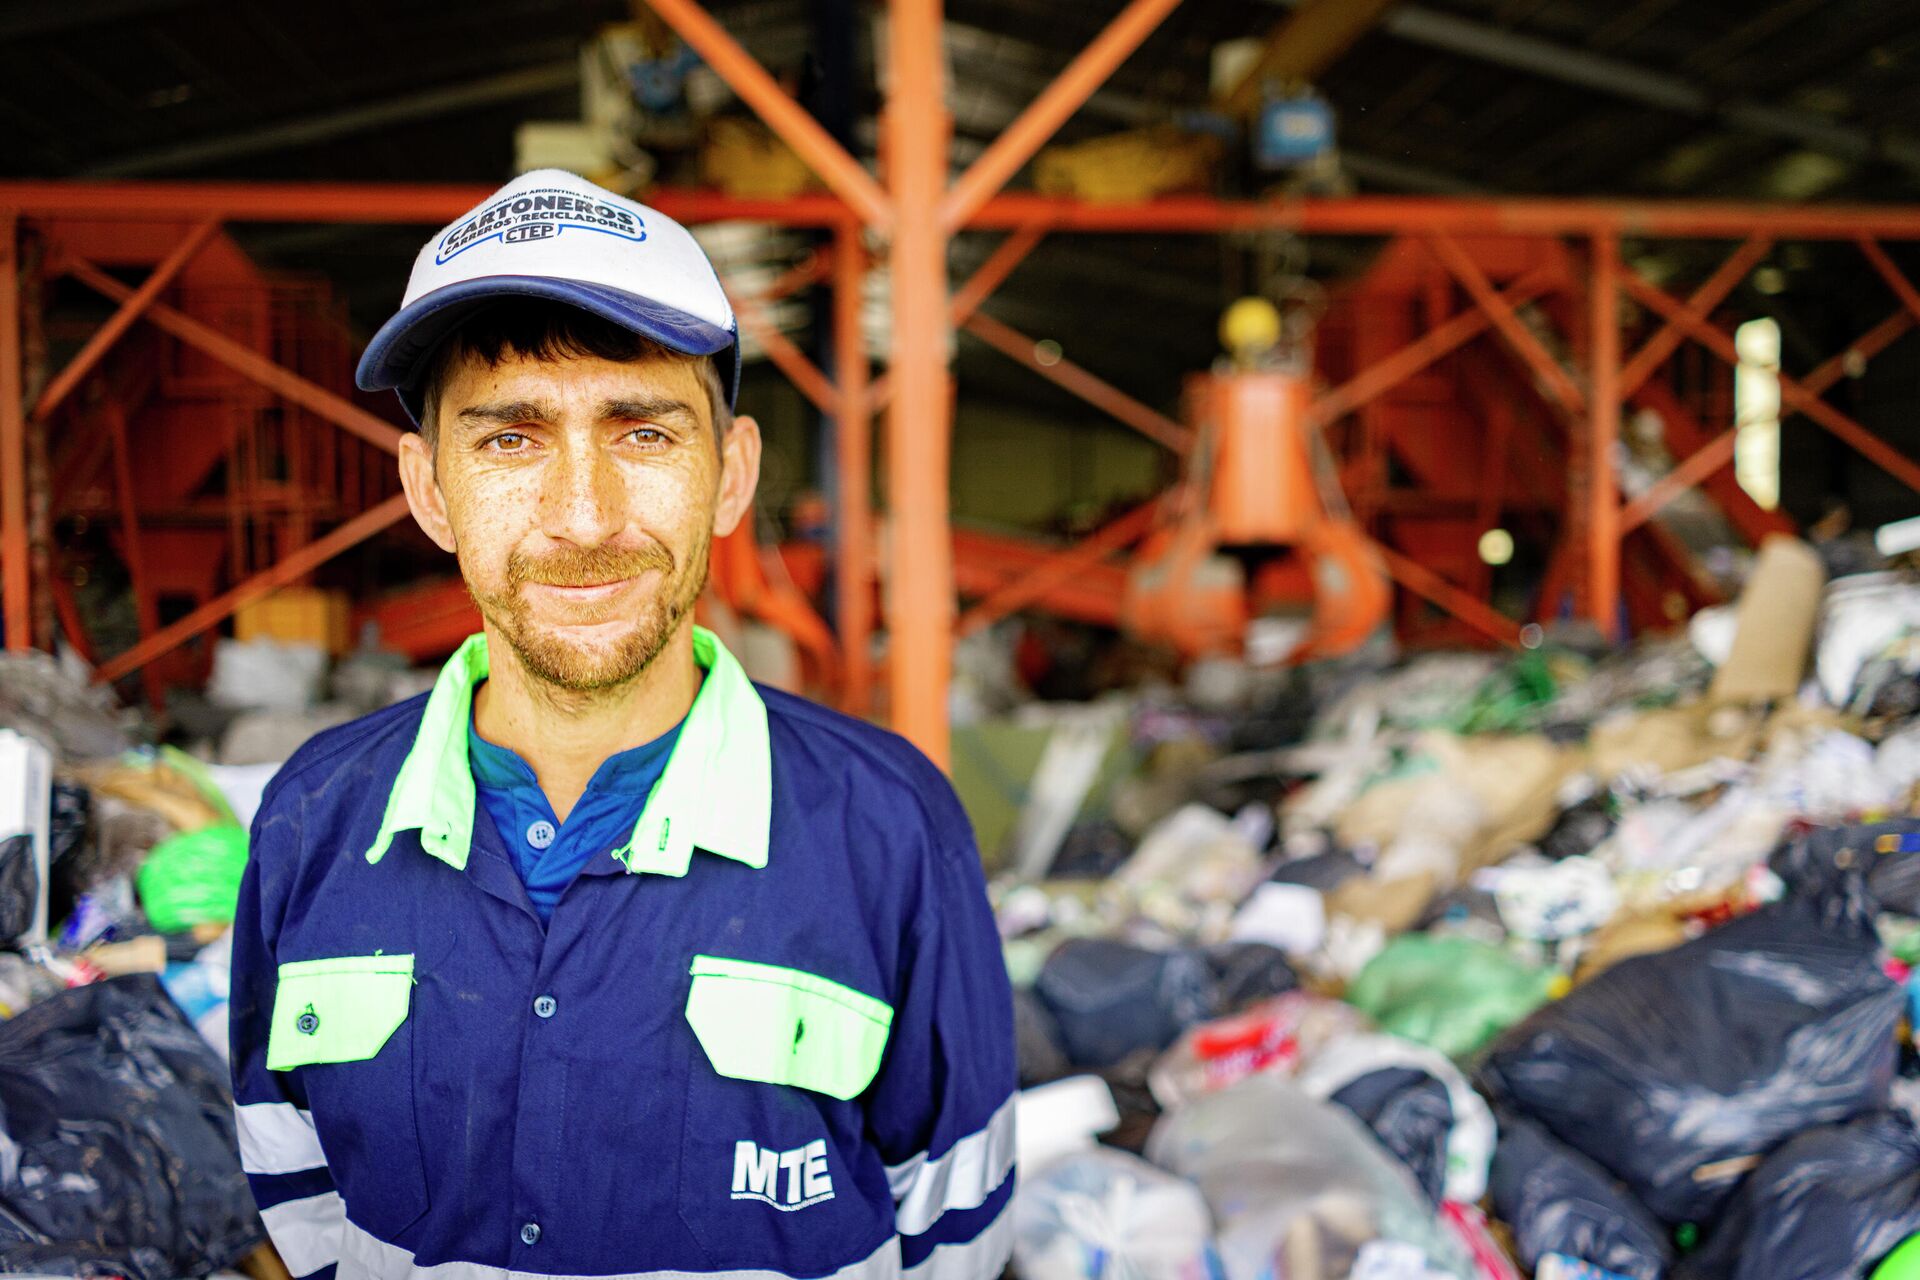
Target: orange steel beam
x=853 y=458
x=146 y=608
x=15 y=580
x=1062 y=566
x=1902 y=288
x=1066 y=374
x=122 y=319
x=284 y=382
x=1702 y=463
x=1866 y=347
x=69 y=615
x=969 y=297
x=993 y=273
x=920 y=584
x=1451 y=215
x=1708 y=296
x=1390 y=371
x=788 y=358
x=217 y=610
x=1056 y=104
x=1603 y=435
x=1464 y=269
x=1200 y=215
x=795 y=125
x=1687 y=435
x=1792 y=393
x=1429 y=585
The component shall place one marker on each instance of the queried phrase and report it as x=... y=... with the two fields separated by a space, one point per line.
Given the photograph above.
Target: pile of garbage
x=120 y=869
x=1566 y=963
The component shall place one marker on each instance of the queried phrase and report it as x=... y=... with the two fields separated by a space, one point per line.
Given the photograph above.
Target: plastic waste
x=1677 y=1071
x=1556 y=1201
x=1110 y=999
x=1273 y=1035
x=19 y=886
x=1291 y=917
x=120 y=1151
x=1409 y=1114
x=266 y=675
x=1299 y=1188
x=1552 y=901
x=1832 y=1201
x=1865 y=869
x=1451 y=994
x=1103 y=1214
x=192 y=878
x=1333 y=1069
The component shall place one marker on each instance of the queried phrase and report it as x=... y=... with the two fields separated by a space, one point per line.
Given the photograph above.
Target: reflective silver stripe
x=982 y=1258
x=362 y=1257
x=277 y=1137
x=962 y=1178
x=307 y=1232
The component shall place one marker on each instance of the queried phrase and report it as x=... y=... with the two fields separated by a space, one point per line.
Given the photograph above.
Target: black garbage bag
x=1110 y=999
x=122 y=1156
x=1036 y=1041
x=1580 y=828
x=1091 y=850
x=19 y=886
x=1831 y=1202
x=1863 y=869
x=1245 y=973
x=1558 y=1201
x=1410 y=1113
x=1676 y=1071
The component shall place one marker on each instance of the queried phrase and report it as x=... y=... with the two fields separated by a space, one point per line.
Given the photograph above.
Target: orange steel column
x=14 y=571
x=853 y=450
x=920 y=583
x=1603 y=434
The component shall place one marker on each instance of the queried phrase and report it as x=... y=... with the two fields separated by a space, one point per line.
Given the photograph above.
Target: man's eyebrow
x=645 y=409
x=505 y=413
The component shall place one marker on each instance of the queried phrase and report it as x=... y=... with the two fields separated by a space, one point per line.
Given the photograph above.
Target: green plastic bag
x=193 y=878
x=1451 y=994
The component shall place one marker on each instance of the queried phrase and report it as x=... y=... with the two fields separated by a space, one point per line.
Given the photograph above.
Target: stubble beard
x=550 y=658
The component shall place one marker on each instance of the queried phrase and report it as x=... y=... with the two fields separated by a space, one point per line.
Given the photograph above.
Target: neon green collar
x=715 y=794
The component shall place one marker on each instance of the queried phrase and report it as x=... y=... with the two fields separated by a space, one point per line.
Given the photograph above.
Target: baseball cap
x=554 y=235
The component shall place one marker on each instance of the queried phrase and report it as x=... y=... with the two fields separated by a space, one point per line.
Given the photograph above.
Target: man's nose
x=581 y=501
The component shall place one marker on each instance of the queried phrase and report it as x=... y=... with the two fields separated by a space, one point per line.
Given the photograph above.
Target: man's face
x=581 y=496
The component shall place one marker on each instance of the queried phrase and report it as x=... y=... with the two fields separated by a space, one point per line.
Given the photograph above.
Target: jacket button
x=530 y=1234
x=545 y=1007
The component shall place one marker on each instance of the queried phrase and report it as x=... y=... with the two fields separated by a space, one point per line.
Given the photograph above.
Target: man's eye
x=508 y=442
x=647 y=435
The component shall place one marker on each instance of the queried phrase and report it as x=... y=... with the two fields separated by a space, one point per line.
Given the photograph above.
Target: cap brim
x=396 y=358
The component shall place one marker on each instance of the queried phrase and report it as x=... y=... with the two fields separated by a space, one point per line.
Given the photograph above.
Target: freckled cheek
x=491 y=515
x=666 y=503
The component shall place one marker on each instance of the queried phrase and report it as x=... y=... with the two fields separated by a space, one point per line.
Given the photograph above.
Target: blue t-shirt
x=546 y=852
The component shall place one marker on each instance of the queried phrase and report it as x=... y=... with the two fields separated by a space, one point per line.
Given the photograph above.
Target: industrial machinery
x=1256 y=553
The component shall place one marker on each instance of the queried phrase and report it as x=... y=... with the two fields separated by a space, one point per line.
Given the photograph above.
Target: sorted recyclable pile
x=1568 y=963
x=120 y=870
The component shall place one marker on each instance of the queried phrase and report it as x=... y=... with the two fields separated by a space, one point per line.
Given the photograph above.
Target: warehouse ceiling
x=1747 y=99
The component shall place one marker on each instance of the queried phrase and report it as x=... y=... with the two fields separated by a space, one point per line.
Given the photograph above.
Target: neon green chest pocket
x=340 y=1009
x=783 y=1026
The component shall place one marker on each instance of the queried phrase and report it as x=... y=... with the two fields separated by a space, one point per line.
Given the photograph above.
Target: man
x=598 y=960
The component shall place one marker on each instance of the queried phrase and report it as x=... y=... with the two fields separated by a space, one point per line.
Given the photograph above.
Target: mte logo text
x=757 y=1175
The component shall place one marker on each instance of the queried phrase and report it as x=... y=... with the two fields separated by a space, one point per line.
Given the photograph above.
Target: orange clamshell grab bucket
x=1260 y=493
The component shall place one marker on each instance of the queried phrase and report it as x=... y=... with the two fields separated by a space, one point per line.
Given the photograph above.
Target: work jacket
x=770 y=1035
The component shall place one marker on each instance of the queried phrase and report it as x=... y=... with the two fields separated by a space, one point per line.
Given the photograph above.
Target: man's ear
x=423 y=490
x=739 y=475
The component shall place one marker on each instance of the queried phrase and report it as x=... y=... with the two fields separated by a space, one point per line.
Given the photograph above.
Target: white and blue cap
x=554 y=235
